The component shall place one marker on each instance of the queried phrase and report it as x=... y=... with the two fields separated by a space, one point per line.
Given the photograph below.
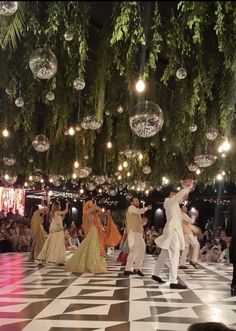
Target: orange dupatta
x=113 y=236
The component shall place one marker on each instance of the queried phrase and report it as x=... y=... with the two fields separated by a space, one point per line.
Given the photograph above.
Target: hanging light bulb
x=219 y=177
x=5 y=133
x=140 y=86
x=6 y=176
x=125 y=164
x=74 y=176
x=71 y=131
x=223 y=173
x=109 y=144
x=41 y=180
x=128 y=174
x=120 y=167
x=76 y=164
x=198 y=171
x=81 y=191
x=30 y=177
x=140 y=156
x=100 y=190
x=119 y=177
x=223 y=155
x=226 y=145
x=25 y=184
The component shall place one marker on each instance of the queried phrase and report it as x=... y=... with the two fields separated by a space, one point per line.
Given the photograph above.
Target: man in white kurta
x=172 y=240
x=190 y=239
x=134 y=227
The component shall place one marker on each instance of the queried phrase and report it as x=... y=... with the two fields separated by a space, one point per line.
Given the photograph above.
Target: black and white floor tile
x=47 y=298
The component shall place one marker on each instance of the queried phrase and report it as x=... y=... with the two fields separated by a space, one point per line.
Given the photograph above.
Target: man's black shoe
x=194 y=264
x=183 y=267
x=138 y=272
x=178 y=286
x=233 y=290
x=158 y=279
x=127 y=273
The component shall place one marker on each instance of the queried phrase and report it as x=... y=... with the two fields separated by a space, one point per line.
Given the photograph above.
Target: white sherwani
x=174 y=221
x=172 y=240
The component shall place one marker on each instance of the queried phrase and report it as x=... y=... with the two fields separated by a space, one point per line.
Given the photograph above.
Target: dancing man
x=190 y=240
x=134 y=226
x=172 y=240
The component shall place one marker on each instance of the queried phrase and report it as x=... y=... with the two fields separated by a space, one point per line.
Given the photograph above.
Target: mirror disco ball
x=79 y=84
x=41 y=143
x=84 y=172
x=181 y=73
x=147 y=170
x=193 y=128
x=43 y=63
x=90 y=123
x=212 y=134
x=90 y=186
x=55 y=180
x=205 y=160
x=9 y=179
x=8 y=8
x=146 y=120
x=50 y=96
x=112 y=191
x=99 y=180
x=9 y=160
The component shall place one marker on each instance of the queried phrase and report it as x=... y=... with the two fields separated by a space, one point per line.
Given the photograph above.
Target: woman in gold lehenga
x=90 y=255
x=38 y=235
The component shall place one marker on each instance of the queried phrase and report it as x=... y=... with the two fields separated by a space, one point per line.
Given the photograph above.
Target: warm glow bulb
x=119 y=177
x=223 y=173
x=71 y=131
x=140 y=86
x=6 y=176
x=226 y=146
x=41 y=180
x=219 y=177
x=120 y=167
x=30 y=177
x=100 y=190
x=198 y=171
x=178 y=188
x=147 y=192
x=5 y=133
x=74 y=176
x=125 y=164
x=51 y=180
x=25 y=184
x=128 y=174
x=140 y=156
x=109 y=145
x=220 y=149
x=81 y=191
x=76 y=164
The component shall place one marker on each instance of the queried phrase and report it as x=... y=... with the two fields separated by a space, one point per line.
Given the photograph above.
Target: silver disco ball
x=90 y=186
x=112 y=191
x=8 y=8
x=84 y=172
x=43 y=63
x=193 y=127
x=130 y=153
x=146 y=120
x=181 y=73
x=9 y=160
x=212 y=134
x=50 y=96
x=205 y=160
x=68 y=35
x=55 y=180
x=99 y=180
x=192 y=167
x=120 y=109
x=90 y=123
x=79 y=83
x=147 y=170
x=19 y=102
x=9 y=179
x=41 y=143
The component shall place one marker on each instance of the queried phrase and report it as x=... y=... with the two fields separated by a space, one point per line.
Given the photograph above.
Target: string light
x=140 y=86
x=41 y=180
x=81 y=191
x=119 y=177
x=71 y=131
x=198 y=171
x=109 y=144
x=226 y=146
x=219 y=177
x=26 y=184
x=140 y=156
x=125 y=164
x=128 y=174
x=74 y=176
x=120 y=167
x=5 y=133
x=76 y=164
x=223 y=173
x=30 y=177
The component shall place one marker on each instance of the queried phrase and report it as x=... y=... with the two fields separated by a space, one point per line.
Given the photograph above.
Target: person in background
x=2 y=215
x=134 y=225
x=172 y=240
x=14 y=232
x=231 y=232
x=81 y=235
x=73 y=231
x=10 y=214
x=17 y=217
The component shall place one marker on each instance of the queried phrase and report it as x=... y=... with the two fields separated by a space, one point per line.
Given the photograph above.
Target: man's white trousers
x=137 y=250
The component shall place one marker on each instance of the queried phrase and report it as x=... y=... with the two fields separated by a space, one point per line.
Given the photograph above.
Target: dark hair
x=167 y=190
x=132 y=198
x=208 y=326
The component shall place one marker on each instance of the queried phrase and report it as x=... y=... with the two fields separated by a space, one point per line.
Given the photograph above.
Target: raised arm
x=138 y=211
x=179 y=197
x=188 y=219
x=65 y=211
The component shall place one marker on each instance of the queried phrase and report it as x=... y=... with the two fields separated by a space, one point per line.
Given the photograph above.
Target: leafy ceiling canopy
x=136 y=40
